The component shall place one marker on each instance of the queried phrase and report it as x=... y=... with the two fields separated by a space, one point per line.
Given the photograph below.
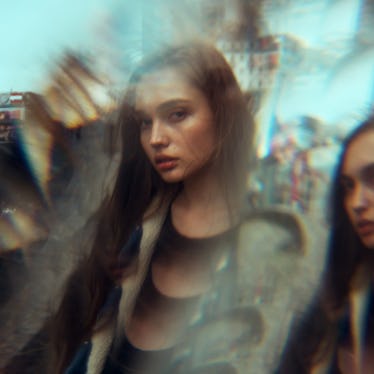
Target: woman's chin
x=368 y=241
x=171 y=177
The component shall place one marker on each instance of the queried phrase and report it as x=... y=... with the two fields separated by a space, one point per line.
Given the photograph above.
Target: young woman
x=337 y=334
x=164 y=252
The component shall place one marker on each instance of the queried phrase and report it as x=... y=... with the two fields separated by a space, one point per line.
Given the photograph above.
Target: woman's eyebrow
x=367 y=169
x=344 y=178
x=171 y=104
x=140 y=113
x=163 y=107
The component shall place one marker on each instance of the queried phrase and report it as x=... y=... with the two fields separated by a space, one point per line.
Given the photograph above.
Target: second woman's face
x=358 y=183
x=177 y=130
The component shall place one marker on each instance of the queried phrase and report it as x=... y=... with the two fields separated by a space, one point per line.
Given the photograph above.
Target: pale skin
x=178 y=135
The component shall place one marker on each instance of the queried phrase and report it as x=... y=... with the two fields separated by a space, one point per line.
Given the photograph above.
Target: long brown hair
x=346 y=250
x=312 y=341
x=137 y=183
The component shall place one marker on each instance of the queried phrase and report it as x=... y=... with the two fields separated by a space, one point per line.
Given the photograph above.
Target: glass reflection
x=306 y=69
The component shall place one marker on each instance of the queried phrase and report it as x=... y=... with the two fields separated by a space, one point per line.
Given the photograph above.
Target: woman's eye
x=178 y=115
x=347 y=185
x=145 y=123
x=368 y=176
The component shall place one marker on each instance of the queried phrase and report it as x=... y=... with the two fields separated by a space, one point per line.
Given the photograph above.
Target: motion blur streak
x=19 y=229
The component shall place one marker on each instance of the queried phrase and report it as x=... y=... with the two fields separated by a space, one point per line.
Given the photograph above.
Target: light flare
x=18 y=230
x=36 y=143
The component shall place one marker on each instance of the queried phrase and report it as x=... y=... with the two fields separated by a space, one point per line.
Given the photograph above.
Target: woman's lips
x=165 y=163
x=365 y=227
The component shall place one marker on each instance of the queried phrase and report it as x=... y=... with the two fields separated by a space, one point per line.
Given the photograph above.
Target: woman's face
x=177 y=127
x=358 y=182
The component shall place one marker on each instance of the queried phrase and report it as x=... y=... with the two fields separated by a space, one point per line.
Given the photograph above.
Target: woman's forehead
x=359 y=153
x=162 y=86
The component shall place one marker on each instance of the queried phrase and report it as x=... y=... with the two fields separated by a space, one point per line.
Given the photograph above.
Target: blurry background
x=306 y=65
x=307 y=68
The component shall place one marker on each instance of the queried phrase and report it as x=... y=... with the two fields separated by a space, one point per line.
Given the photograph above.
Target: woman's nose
x=359 y=199
x=159 y=135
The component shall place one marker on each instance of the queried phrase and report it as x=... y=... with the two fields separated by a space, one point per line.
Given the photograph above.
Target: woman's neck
x=202 y=209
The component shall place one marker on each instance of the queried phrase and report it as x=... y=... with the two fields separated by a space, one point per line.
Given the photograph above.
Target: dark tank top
x=127 y=358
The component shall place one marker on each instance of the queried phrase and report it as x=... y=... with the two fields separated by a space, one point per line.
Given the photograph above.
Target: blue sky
x=34 y=33
x=33 y=37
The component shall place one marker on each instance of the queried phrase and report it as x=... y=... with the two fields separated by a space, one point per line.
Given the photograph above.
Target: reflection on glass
x=306 y=71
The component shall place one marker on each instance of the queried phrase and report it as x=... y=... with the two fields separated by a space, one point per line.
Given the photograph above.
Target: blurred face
x=358 y=182
x=177 y=127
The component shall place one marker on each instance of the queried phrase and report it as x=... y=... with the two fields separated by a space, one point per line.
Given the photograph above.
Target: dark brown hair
x=346 y=251
x=137 y=183
x=315 y=335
